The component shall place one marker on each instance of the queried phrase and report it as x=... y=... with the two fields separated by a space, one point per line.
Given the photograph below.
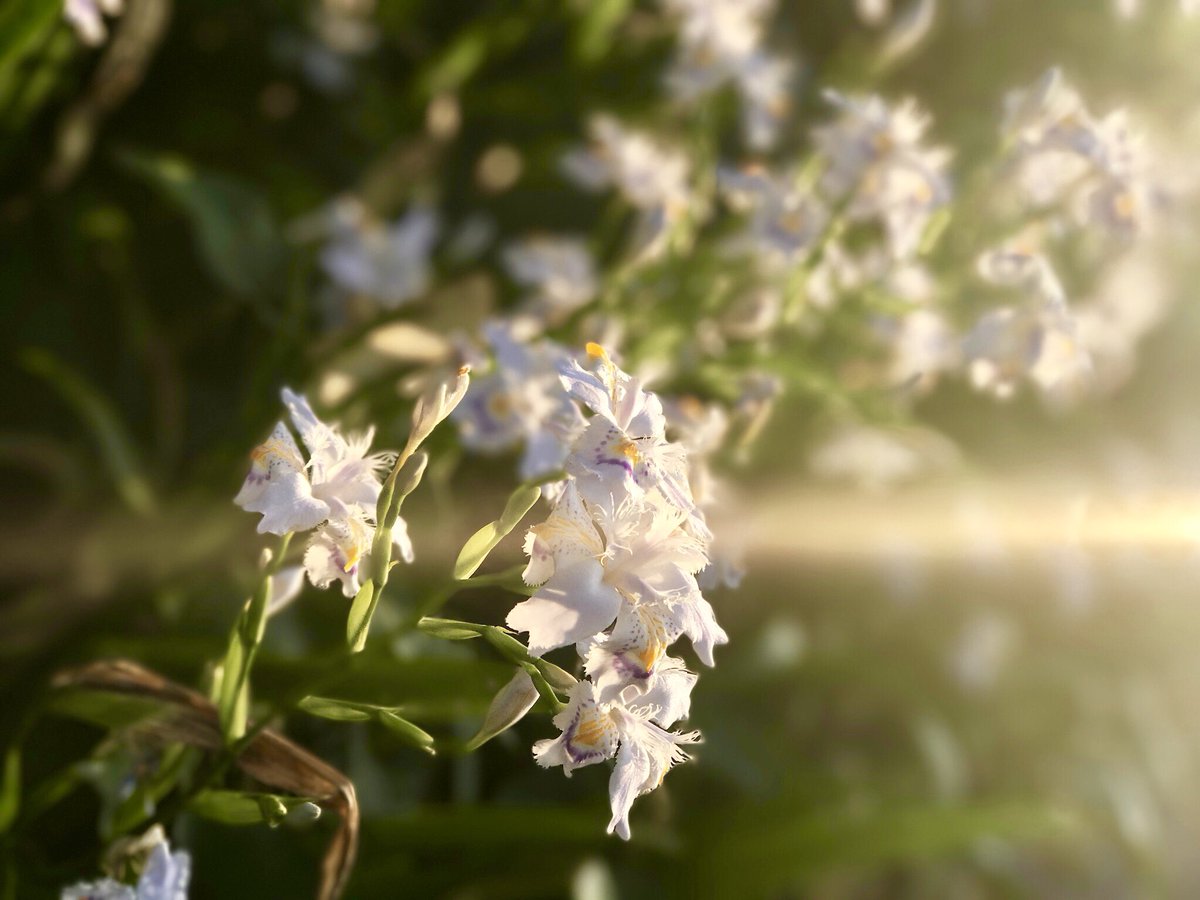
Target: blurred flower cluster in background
x=773 y=413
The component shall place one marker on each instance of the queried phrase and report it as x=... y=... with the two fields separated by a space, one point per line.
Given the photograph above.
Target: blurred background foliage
x=886 y=721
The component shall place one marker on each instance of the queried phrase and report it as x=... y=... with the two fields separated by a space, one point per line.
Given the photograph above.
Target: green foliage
x=347 y=711
x=97 y=412
x=232 y=225
x=247 y=808
x=484 y=541
x=10 y=789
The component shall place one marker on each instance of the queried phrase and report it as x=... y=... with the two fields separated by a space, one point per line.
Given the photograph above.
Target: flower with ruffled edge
x=594 y=731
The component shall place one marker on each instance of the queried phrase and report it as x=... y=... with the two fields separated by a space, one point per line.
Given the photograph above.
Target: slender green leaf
x=483 y=541
x=230 y=711
x=406 y=730
x=98 y=413
x=338 y=710
x=449 y=629
x=247 y=808
x=24 y=25
x=597 y=27
x=106 y=709
x=234 y=230
x=10 y=788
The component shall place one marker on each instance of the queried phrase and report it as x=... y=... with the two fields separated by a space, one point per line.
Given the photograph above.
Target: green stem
x=244 y=642
x=448 y=589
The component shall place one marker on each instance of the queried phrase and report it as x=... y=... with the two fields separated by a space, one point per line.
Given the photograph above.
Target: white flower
x=648 y=174
x=786 y=220
x=923 y=345
x=1120 y=206
x=634 y=655
x=879 y=167
x=593 y=731
x=1021 y=267
x=1065 y=154
x=559 y=269
x=620 y=551
x=87 y=18
x=339 y=548
x=165 y=877
x=589 y=559
x=589 y=734
x=720 y=43
x=520 y=402
x=765 y=84
x=1050 y=114
x=623 y=451
x=651 y=177
x=294 y=495
x=720 y=30
x=389 y=263
x=1008 y=345
x=334 y=491
x=869 y=134
x=278 y=486
x=647 y=753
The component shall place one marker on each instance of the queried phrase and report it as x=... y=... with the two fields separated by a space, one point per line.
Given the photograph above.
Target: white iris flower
x=334 y=491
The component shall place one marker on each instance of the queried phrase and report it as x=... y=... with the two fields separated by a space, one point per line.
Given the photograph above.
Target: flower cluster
x=385 y=262
x=1083 y=174
x=333 y=493
x=720 y=42
x=651 y=176
x=879 y=168
x=615 y=565
x=520 y=401
x=1066 y=155
x=558 y=272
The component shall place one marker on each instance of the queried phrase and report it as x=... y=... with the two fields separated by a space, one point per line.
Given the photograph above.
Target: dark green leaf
x=234 y=230
x=10 y=788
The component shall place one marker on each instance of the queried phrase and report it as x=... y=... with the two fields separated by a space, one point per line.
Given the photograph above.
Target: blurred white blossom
x=520 y=402
x=878 y=166
x=165 y=876
x=559 y=271
x=388 y=263
x=87 y=18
